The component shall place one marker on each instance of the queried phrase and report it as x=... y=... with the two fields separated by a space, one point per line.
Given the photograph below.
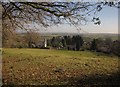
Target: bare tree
x=49 y=13
x=31 y=38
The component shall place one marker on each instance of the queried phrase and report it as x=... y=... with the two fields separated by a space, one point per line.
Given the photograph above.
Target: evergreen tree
x=64 y=42
x=94 y=44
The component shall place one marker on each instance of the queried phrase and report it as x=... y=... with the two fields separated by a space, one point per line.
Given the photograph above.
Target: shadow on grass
x=97 y=81
x=86 y=81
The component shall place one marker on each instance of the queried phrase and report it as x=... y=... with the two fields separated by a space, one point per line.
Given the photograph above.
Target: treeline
x=66 y=42
x=76 y=43
x=106 y=45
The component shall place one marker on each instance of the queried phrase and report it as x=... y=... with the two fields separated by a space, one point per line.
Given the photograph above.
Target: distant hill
x=85 y=35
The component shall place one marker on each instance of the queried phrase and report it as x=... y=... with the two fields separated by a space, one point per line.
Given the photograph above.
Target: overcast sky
x=109 y=24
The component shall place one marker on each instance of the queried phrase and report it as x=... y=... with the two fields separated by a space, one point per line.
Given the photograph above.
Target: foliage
x=67 y=42
x=116 y=47
x=106 y=46
x=78 y=41
x=94 y=44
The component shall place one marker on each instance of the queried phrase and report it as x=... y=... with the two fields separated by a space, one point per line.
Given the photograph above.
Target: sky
x=109 y=24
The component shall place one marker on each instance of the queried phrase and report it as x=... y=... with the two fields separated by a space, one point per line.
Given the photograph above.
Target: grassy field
x=58 y=67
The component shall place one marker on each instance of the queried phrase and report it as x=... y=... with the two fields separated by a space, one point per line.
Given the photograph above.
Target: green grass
x=54 y=67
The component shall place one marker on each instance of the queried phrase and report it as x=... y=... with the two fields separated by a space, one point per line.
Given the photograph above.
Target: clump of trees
x=106 y=46
x=66 y=42
x=20 y=40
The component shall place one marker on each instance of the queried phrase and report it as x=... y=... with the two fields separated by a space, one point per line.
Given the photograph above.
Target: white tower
x=45 y=43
